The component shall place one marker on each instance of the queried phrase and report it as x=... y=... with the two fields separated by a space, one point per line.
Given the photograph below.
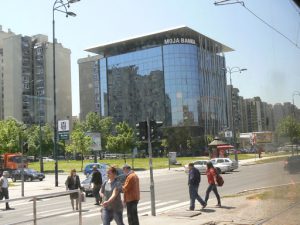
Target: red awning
x=224 y=146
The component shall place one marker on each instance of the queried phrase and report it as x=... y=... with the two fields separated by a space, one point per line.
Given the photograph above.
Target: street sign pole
x=153 y=213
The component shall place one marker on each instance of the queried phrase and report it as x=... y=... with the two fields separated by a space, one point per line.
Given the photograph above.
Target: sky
x=272 y=62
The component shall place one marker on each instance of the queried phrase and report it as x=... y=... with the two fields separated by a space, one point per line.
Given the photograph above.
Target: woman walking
x=112 y=203
x=211 y=174
x=73 y=183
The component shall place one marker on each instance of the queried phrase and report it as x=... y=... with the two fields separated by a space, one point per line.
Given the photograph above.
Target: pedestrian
x=111 y=196
x=73 y=183
x=97 y=182
x=211 y=174
x=193 y=182
x=4 y=188
x=131 y=189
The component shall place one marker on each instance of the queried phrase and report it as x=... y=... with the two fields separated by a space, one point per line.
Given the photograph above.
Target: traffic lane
x=257 y=176
x=171 y=186
x=174 y=186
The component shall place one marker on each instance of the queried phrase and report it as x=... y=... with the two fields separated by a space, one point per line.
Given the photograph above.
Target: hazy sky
x=272 y=62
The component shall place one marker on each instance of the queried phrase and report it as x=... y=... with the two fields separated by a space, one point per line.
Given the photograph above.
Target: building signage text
x=179 y=41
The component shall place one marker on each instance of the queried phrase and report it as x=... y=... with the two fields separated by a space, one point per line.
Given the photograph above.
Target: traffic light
x=142 y=133
x=25 y=147
x=154 y=129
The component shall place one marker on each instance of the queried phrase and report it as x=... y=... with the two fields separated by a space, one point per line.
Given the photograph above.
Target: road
x=170 y=188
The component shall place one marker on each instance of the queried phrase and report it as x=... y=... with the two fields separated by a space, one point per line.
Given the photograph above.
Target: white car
x=231 y=164
x=47 y=159
x=199 y=164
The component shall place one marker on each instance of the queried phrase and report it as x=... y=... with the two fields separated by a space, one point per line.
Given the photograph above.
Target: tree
x=106 y=129
x=94 y=123
x=289 y=127
x=165 y=145
x=80 y=143
x=12 y=132
x=35 y=143
x=123 y=141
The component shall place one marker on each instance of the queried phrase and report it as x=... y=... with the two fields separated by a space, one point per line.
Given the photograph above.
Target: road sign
x=63 y=130
x=63 y=135
x=63 y=125
x=228 y=134
x=96 y=137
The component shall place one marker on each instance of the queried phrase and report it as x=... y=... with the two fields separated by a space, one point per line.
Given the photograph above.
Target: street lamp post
x=231 y=70
x=60 y=6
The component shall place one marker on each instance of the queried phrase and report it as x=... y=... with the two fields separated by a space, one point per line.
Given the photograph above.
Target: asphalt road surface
x=171 y=192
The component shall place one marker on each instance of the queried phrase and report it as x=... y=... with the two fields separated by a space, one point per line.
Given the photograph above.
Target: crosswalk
x=49 y=208
x=144 y=208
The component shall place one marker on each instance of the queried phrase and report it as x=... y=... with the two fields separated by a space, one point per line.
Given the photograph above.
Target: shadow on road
x=227 y=207
x=208 y=210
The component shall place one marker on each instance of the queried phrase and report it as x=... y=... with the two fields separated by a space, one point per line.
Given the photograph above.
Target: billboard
x=96 y=138
x=263 y=137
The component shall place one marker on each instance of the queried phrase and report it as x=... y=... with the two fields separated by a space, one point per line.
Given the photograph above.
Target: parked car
x=232 y=164
x=220 y=167
x=292 y=164
x=88 y=169
x=47 y=159
x=199 y=164
x=87 y=187
x=29 y=174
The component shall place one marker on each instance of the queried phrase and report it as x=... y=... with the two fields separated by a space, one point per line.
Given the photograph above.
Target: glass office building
x=176 y=76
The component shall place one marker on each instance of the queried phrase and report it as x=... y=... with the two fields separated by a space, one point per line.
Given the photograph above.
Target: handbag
x=82 y=197
x=220 y=180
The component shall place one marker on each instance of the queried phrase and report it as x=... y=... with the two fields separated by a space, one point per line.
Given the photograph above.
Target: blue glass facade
x=172 y=83
x=181 y=84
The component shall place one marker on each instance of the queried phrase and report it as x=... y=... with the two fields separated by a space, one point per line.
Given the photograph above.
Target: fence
x=116 y=156
x=39 y=197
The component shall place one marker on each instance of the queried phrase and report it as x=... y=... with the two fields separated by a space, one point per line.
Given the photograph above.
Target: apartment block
x=89 y=87
x=3 y=35
x=27 y=79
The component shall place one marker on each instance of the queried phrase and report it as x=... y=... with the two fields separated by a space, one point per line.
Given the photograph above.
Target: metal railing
x=116 y=156
x=44 y=196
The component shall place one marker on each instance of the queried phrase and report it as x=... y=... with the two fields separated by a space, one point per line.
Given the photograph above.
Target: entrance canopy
x=221 y=147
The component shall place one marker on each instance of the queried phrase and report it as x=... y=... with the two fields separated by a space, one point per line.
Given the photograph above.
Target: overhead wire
x=225 y=2
x=298 y=11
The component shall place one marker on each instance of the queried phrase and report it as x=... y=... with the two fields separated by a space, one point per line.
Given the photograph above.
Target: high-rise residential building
x=278 y=113
x=3 y=35
x=243 y=117
x=284 y=110
x=89 y=85
x=268 y=116
x=255 y=115
x=176 y=76
x=233 y=109
x=28 y=79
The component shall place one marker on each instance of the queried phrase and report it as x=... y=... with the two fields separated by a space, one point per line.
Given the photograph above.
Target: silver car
x=199 y=164
x=230 y=164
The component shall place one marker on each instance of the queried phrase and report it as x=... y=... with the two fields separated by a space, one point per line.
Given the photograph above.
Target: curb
x=267 y=187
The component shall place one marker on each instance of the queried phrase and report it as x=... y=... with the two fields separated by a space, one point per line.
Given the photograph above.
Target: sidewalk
x=234 y=211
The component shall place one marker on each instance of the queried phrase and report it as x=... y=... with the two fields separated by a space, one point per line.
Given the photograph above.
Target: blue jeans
x=108 y=215
x=193 y=190
x=212 y=187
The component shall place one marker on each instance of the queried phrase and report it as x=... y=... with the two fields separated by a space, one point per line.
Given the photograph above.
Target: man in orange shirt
x=131 y=190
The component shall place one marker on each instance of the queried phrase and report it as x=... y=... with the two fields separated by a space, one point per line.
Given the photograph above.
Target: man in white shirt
x=4 y=188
